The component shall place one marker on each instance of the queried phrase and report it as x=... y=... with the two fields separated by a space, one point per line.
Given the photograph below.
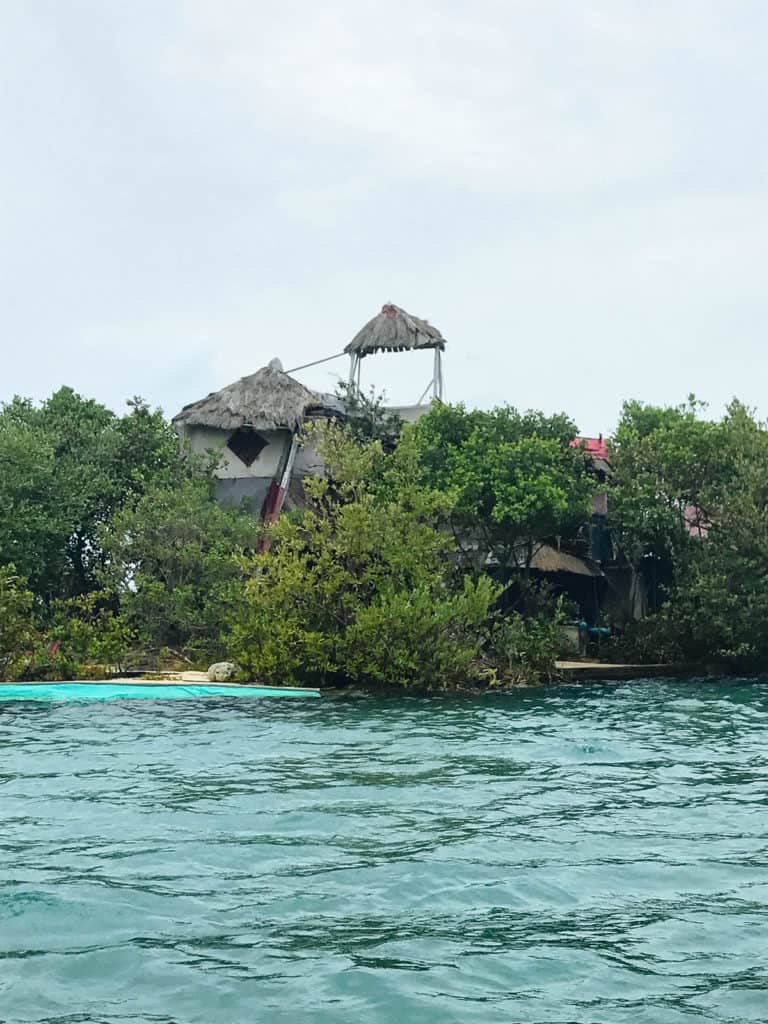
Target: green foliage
x=358 y=588
x=423 y=637
x=718 y=608
x=118 y=544
x=170 y=558
x=17 y=626
x=86 y=632
x=34 y=531
x=367 y=417
x=512 y=478
x=525 y=648
x=694 y=493
x=671 y=470
x=654 y=640
x=77 y=638
x=65 y=468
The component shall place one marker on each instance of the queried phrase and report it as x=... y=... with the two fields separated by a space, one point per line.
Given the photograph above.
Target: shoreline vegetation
x=416 y=562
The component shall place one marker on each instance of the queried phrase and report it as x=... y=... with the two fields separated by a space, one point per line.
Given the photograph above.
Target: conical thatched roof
x=394 y=330
x=266 y=400
x=549 y=559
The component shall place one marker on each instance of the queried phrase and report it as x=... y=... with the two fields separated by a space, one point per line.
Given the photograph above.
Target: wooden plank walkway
x=610 y=670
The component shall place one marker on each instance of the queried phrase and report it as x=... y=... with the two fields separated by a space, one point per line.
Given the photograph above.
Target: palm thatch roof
x=549 y=559
x=266 y=400
x=394 y=330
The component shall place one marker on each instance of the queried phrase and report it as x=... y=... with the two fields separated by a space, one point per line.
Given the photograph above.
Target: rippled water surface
x=594 y=854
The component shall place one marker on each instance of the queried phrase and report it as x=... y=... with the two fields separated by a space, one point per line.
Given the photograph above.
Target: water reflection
x=575 y=854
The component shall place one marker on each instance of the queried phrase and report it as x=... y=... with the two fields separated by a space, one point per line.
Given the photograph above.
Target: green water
x=588 y=855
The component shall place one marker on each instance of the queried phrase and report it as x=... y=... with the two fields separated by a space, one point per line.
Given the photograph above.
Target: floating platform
x=97 y=691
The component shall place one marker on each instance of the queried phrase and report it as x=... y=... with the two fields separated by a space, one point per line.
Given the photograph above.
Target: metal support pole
x=305 y=366
x=437 y=380
x=426 y=389
x=354 y=370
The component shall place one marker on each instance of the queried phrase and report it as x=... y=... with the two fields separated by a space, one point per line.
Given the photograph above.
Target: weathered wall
x=410 y=413
x=308 y=463
x=238 y=482
x=253 y=490
x=202 y=439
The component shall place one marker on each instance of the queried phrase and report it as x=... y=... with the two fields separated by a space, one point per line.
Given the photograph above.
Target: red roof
x=594 y=446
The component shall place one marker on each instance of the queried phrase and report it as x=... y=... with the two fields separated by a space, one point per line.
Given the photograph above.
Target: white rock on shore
x=221 y=672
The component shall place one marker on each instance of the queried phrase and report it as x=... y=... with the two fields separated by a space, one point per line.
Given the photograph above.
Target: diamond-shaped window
x=246 y=444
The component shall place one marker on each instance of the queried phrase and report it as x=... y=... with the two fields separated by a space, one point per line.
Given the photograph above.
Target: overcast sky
x=573 y=191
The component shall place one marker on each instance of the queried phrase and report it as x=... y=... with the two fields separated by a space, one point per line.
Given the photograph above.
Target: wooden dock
x=587 y=670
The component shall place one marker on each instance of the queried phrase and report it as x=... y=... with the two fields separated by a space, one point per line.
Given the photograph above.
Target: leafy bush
x=358 y=589
x=65 y=468
x=17 y=626
x=367 y=417
x=171 y=557
x=650 y=641
x=411 y=637
x=524 y=649
x=86 y=637
x=512 y=478
x=718 y=611
x=714 y=477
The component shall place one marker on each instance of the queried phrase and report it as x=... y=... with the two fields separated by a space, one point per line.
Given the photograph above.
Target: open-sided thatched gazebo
x=394 y=330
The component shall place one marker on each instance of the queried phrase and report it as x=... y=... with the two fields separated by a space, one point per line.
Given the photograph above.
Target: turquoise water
x=581 y=855
x=89 y=692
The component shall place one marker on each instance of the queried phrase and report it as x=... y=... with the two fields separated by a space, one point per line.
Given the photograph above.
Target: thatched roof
x=266 y=400
x=394 y=330
x=549 y=559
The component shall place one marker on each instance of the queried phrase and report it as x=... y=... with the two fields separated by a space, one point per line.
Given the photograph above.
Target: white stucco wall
x=203 y=439
x=410 y=413
x=308 y=463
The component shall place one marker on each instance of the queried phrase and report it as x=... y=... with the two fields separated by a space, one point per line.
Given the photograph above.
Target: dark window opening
x=246 y=444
